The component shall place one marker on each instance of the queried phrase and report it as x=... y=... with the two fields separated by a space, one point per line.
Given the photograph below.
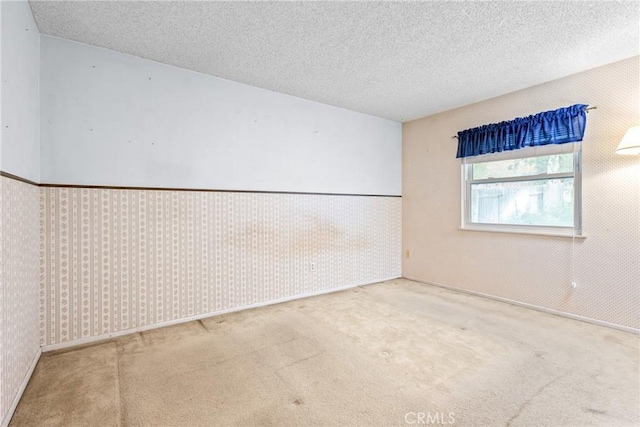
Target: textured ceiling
x=395 y=60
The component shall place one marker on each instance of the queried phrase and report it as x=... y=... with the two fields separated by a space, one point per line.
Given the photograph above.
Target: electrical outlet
x=407 y=254
x=312 y=266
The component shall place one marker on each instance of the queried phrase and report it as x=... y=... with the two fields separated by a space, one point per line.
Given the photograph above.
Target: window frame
x=546 y=150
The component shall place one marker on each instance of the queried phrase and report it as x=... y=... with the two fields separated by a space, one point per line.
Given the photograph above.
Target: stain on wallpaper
x=119 y=259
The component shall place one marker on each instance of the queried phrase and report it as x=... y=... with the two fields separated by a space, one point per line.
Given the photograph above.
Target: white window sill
x=543 y=232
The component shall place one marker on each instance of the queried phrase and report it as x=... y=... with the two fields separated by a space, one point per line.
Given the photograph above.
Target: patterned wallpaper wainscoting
x=19 y=286
x=114 y=260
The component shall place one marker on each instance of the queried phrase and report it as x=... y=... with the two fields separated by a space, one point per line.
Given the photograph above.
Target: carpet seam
x=118 y=385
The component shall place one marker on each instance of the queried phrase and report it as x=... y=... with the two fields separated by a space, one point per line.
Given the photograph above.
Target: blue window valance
x=550 y=127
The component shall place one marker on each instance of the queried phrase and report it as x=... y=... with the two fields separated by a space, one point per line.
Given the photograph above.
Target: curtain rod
x=586 y=109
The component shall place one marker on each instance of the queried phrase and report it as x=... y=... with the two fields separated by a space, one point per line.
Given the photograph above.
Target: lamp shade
x=630 y=143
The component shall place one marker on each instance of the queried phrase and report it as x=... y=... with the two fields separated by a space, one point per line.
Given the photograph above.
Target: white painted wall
x=20 y=98
x=1 y=125
x=115 y=119
x=19 y=210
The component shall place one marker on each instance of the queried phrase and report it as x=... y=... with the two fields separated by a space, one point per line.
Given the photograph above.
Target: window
x=535 y=189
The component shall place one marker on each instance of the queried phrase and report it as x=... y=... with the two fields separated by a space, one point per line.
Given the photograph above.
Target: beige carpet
x=395 y=353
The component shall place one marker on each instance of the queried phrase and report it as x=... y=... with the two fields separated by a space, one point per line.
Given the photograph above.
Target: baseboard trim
x=531 y=306
x=23 y=386
x=106 y=337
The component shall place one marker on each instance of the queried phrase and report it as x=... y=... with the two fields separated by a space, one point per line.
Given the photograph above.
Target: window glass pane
x=557 y=163
x=547 y=202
